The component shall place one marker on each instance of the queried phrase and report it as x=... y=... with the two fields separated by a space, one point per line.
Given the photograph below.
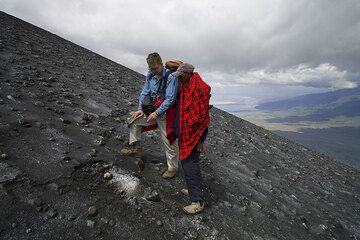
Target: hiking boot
x=169 y=174
x=194 y=207
x=133 y=151
x=185 y=191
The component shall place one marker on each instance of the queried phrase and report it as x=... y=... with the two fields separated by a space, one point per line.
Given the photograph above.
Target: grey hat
x=183 y=68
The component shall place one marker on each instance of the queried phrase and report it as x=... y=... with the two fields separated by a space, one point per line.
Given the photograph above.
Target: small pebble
x=108 y=176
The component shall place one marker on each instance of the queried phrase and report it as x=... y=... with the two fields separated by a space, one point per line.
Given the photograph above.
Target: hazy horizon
x=249 y=52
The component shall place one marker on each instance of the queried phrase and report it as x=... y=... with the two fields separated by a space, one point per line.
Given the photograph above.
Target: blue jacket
x=168 y=93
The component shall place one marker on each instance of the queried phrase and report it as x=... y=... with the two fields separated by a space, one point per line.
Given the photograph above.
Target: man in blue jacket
x=162 y=87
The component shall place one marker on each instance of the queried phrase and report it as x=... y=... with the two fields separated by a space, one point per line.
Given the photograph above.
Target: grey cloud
x=228 y=40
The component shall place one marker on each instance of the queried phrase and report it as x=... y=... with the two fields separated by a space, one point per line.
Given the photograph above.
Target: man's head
x=155 y=63
x=184 y=72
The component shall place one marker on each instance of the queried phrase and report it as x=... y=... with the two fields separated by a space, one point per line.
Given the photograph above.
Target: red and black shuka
x=191 y=127
x=170 y=117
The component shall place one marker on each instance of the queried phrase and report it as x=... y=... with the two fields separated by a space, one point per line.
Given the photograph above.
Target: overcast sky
x=249 y=51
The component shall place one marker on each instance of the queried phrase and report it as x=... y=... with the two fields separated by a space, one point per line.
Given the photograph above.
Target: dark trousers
x=193 y=178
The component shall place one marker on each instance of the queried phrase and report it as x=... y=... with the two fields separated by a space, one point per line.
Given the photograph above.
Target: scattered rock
x=101 y=141
x=227 y=204
x=65 y=121
x=101 y=132
x=52 y=213
x=71 y=217
x=8 y=173
x=53 y=187
x=10 y=98
x=92 y=153
x=108 y=176
x=133 y=201
x=337 y=225
x=192 y=234
x=111 y=223
x=35 y=202
x=39 y=104
x=323 y=227
x=140 y=163
x=25 y=122
x=303 y=219
x=104 y=220
x=153 y=196
x=66 y=158
x=118 y=112
x=305 y=226
x=120 y=137
x=86 y=118
x=255 y=173
x=92 y=211
x=90 y=223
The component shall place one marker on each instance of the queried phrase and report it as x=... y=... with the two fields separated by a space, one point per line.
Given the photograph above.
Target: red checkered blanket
x=194 y=114
x=170 y=115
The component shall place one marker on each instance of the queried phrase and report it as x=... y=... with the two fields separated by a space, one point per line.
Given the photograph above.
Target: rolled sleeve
x=170 y=94
x=145 y=90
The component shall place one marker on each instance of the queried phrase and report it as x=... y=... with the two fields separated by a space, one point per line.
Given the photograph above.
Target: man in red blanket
x=191 y=127
x=161 y=87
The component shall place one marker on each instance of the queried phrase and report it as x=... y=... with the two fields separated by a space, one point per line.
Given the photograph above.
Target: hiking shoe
x=194 y=207
x=169 y=174
x=132 y=150
x=185 y=191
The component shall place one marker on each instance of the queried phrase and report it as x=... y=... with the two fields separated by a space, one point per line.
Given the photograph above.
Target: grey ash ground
x=62 y=122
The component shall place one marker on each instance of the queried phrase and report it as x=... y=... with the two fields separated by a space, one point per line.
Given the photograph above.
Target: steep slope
x=62 y=111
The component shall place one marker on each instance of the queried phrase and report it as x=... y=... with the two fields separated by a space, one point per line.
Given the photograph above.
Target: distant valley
x=327 y=122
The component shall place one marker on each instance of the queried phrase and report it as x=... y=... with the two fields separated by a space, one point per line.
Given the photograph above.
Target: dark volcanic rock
x=86 y=118
x=52 y=213
x=153 y=196
x=258 y=185
x=92 y=211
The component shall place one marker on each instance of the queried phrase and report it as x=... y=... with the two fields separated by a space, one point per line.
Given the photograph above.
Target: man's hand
x=200 y=147
x=137 y=113
x=152 y=116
